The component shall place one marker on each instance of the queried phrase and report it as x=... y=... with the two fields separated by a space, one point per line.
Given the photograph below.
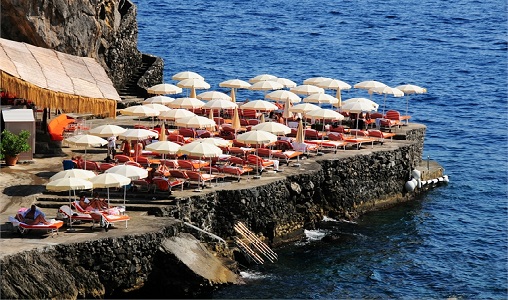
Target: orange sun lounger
x=23 y=228
x=103 y=219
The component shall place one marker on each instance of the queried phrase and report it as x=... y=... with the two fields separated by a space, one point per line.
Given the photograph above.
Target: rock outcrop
x=103 y=29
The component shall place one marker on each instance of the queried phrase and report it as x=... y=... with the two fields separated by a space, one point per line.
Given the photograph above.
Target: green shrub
x=13 y=144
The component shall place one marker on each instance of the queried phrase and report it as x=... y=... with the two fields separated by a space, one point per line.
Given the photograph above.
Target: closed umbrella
x=86 y=141
x=187 y=102
x=307 y=89
x=187 y=75
x=107 y=180
x=235 y=122
x=213 y=95
x=234 y=84
x=162 y=134
x=164 y=89
x=164 y=100
x=282 y=95
x=286 y=114
x=107 y=130
x=193 y=84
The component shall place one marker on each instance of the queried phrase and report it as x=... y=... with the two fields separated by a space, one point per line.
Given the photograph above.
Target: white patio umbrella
x=325 y=114
x=164 y=100
x=273 y=127
x=138 y=134
x=409 y=89
x=107 y=130
x=234 y=84
x=195 y=122
x=139 y=111
x=356 y=105
x=201 y=149
x=86 y=141
x=158 y=107
x=163 y=147
x=128 y=171
x=220 y=104
x=213 y=95
x=262 y=77
x=75 y=173
x=257 y=137
x=369 y=84
x=107 y=180
x=282 y=95
x=193 y=84
x=260 y=105
x=70 y=184
x=315 y=80
x=187 y=75
x=174 y=114
x=395 y=92
x=307 y=89
x=267 y=85
x=164 y=89
x=321 y=99
x=335 y=84
x=219 y=142
x=303 y=108
x=187 y=102
x=287 y=83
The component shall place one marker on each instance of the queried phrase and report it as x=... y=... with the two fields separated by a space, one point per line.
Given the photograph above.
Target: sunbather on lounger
x=32 y=216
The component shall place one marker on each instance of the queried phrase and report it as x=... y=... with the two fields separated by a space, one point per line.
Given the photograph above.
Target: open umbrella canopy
x=409 y=89
x=200 y=149
x=187 y=102
x=358 y=105
x=220 y=104
x=176 y=114
x=213 y=95
x=187 y=75
x=303 y=108
x=164 y=100
x=86 y=140
x=306 y=89
x=316 y=80
x=262 y=77
x=324 y=114
x=68 y=184
x=131 y=172
x=386 y=90
x=369 y=84
x=267 y=85
x=333 y=84
x=107 y=130
x=163 y=147
x=139 y=111
x=257 y=137
x=282 y=95
x=164 y=89
x=219 y=142
x=138 y=134
x=234 y=84
x=273 y=127
x=194 y=84
x=107 y=180
x=195 y=122
x=75 y=173
x=158 y=107
x=287 y=83
x=260 y=105
x=321 y=99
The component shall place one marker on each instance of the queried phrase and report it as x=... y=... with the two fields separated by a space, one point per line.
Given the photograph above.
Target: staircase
x=131 y=92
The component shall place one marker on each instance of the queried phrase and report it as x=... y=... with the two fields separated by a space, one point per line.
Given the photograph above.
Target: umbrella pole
x=85 y=158
x=124 y=196
x=108 y=196
x=407 y=108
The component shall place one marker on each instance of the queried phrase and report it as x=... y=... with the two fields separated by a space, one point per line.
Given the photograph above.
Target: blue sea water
x=450 y=243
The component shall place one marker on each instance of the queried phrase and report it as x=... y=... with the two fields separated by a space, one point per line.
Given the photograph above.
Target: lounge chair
x=122 y=158
x=104 y=219
x=142 y=160
x=165 y=185
x=104 y=166
x=201 y=178
x=141 y=185
x=236 y=171
x=180 y=174
x=23 y=228
x=380 y=135
x=259 y=162
x=328 y=144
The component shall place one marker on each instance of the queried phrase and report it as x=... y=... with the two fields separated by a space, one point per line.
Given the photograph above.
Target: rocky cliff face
x=103 y=29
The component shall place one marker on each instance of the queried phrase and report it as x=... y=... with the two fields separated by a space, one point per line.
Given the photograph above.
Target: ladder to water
x=251 y=245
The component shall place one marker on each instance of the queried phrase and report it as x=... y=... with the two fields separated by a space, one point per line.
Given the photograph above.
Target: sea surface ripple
x=450 y=243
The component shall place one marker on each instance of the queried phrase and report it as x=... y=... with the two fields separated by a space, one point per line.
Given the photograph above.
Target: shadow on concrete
x=24 y=190
x=45 y=174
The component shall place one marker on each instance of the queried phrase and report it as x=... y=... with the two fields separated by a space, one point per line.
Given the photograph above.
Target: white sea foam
x=328 y=219
x=252 y=275
x=314 y=235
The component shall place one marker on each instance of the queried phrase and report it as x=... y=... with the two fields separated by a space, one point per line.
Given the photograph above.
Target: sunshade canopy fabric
x=54 y=79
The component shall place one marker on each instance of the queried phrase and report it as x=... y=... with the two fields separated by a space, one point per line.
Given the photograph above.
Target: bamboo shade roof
x=56 y=80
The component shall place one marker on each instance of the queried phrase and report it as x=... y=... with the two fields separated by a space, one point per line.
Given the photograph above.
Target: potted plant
x=13 y=144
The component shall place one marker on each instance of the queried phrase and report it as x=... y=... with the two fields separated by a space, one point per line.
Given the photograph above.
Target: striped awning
x=56 y=80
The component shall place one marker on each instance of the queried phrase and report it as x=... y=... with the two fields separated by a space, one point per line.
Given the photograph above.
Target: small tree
x=13 y=144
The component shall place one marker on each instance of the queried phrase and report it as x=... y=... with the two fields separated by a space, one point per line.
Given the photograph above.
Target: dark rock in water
x=338 y=237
